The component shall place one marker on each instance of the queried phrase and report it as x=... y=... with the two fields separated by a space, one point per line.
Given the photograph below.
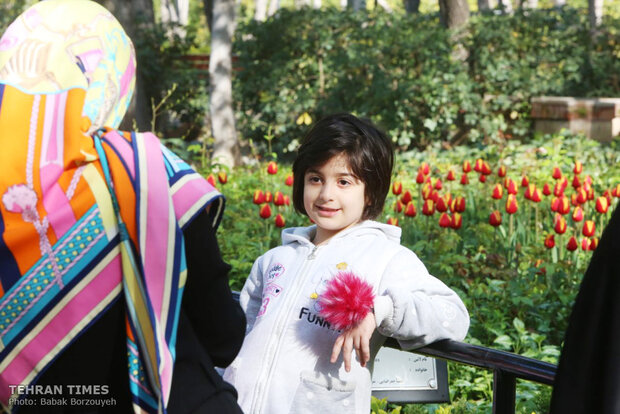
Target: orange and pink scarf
x=87 y=213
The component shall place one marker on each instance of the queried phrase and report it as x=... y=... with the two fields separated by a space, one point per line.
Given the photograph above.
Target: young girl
x=293 y=360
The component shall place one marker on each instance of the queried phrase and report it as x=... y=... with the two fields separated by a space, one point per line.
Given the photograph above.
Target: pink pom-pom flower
x=346 y=301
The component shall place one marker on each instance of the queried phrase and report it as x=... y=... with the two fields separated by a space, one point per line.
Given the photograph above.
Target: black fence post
x=504 y=391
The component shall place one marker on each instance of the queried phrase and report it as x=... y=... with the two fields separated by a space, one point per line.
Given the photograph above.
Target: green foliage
x=176 y=90
x=397 y=69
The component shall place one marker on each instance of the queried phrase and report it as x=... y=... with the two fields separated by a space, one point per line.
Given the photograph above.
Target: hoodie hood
x=304 y=235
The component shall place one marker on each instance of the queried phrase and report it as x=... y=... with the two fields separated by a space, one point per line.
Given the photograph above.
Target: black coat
x=588 y=376
x=210 y=333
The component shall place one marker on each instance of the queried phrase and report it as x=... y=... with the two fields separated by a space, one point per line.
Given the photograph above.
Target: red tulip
x=420 y=178
x=602 y=205
x=588 y=228
x=501 y=171
x=211 y=179
x=582 y=196
x=392 y=221
x=459 y=204
x=616 y=191
x=511 y=204
x=486 y=168
x=495 y=219
x=557 y=173
x=428 y=208
x=536 y=196
x=268 y=197
x=577 y=214
x=434 y=196
x=588 y=180
x=259 y=197
x=572 y=244
x=546 y=189
x=593 y=243
x=398 y=206
x=573 y=199
x=549 y=241
x=279 y=220
x=427 y=191
x=397 y=188
x=466 y=167
x=498 y=192
x=482 y=178
x=278 y=198
x=272 y=168
x=410 y=210
x=464 y=179
x=576 y=183
x=578 y=168
x=557 y=189
x=222 y=177
x=511 y=186
x=457 y=221
x=287 y=200
x=265 y=211
x=555 y=203
x=585 y=244
x=525 y=181
x=289 y=180
x=451 y=176
x=438 y=184
x=478 y=165
x=564 y=205
x=529 y=191
x=445 y=220
x=448 y=198
x=425 y=168
x=441 y=205
x=406 y=197
x=559 y=224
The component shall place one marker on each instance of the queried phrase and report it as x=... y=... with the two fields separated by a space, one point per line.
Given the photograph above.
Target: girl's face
x=333 y=197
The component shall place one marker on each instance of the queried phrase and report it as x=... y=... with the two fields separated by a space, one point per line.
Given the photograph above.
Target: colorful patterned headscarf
x=87 y=213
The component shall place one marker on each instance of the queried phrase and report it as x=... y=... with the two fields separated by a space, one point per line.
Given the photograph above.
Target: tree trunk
x=260 y=12
x=595 y=10
x=384 y=5
x=485 y=5
x=316 y=4
x=559 y=3
x=128 y=13
x=207 y=5
x=453 y=13
x=412 y=6
x=356 y=5
x=226 y=145
x=506 y=6
x=274 y=6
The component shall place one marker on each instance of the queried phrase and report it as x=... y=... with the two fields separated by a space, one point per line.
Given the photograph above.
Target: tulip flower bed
x=511 y=228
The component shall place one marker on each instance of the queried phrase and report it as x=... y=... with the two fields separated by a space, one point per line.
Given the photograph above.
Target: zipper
x=263 y=381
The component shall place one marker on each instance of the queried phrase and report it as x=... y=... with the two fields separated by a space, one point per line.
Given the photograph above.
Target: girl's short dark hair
x=368 y=149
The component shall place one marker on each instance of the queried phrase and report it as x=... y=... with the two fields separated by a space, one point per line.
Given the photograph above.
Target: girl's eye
x=344 y=182
x=314 y=179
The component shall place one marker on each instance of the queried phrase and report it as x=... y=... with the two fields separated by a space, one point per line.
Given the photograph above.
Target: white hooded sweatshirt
x=283 y=366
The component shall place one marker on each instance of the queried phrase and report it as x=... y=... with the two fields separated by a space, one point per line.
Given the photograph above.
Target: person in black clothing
x=588 y=376
x=211 y=331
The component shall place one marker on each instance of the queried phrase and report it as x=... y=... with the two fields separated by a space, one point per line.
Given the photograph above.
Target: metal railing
x=506 y=367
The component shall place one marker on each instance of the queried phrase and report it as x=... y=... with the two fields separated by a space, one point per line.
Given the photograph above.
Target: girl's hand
x=357 y=337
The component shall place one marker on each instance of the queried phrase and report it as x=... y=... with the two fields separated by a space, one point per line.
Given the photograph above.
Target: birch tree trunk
x=226 y=145
x=316 y=4
x=207 y=5
x=484 y=5
x=384 y=5
x=274 y=6
x=595 y=10
x=128 y=13
x=260 y=11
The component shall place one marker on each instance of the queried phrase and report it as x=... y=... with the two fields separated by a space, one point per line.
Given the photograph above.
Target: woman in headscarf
x=111 y=283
